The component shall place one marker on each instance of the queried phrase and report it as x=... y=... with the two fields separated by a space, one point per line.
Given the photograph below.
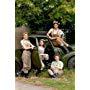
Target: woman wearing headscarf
x=57 y=35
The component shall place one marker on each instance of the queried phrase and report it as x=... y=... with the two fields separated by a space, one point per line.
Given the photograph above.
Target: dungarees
x=26 y=58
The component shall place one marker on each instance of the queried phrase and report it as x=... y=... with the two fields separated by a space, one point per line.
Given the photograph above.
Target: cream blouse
x=26 y=43
x=41 y=50
x=54 y=32
x=57 y=64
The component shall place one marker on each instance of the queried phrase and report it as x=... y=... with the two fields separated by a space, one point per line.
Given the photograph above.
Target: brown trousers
x=59 y=41
x=26 y=59
x=53 y=71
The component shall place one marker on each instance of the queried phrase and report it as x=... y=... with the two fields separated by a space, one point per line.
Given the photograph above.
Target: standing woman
x=26 y=55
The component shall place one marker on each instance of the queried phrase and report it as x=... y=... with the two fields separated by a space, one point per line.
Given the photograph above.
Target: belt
x=26 y=49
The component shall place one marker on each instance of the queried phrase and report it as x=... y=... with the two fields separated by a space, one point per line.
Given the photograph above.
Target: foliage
x=39 y=14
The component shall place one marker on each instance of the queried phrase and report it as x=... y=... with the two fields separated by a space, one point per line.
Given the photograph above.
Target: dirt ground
x=23 y=86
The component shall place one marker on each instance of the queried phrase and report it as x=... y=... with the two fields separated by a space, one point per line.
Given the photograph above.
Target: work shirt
x=57 y=64
x=26 y=43
x=58 y=32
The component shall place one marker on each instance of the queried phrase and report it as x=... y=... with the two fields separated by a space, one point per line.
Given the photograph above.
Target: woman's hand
x=52 y=38
x=32 y=47
x=28 y=47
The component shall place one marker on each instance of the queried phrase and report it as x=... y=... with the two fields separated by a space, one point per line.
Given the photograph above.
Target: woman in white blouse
x=57 y=35
x=26 y=55
x=43 y=56
x=56 y=67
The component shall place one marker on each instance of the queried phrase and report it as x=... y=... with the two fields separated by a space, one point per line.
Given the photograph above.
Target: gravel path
x=22 y=86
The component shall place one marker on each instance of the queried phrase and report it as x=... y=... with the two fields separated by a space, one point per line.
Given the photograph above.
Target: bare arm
x=48 y=34
x=31 y=45
x=27 y=46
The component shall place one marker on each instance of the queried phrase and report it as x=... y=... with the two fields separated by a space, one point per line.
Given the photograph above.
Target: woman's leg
x=42 y=65
x=61 y=42
x=46 y=57
x=65 y=43
x=26 y=59
x=60 y=72
x=41 y=58
x=55 y=71
x=50 y=72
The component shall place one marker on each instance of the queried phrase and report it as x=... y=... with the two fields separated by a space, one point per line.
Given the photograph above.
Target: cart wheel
x=71 y=63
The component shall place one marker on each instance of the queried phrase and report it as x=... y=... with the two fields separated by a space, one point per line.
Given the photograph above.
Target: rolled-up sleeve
x=60 y=66
x=52 y=64
x=61 y=33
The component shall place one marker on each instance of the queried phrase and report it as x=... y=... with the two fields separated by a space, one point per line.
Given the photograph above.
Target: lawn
x=65 y=82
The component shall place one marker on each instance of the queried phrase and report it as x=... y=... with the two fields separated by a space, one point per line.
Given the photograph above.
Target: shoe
x=42 y=68
x=52 y=76
x=70 y=48
x=37 y=72
x=26 y=75
x=20 y=73
x=65 y=49
x=56 y=74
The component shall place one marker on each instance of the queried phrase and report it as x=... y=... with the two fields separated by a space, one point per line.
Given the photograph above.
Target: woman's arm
x=48 y=34
x=60 y=66
x=53 y=65
x=25 y=46
x=61 y=34
x=31 y=45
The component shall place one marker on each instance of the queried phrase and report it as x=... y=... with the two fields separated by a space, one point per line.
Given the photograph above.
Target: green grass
x=65 y=82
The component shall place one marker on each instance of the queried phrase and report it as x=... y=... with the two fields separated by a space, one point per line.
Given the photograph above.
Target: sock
x=62 y=44
x=67 y=45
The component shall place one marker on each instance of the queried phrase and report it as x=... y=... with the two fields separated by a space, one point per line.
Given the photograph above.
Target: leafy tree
x=39 y=14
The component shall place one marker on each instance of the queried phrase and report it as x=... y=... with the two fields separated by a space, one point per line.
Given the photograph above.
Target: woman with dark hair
x=57 y=35
x=56 y=67
x=43 y=56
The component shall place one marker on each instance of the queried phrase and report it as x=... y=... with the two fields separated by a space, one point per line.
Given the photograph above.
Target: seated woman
x=57 y=35
x=56 y=67
x=43 y=56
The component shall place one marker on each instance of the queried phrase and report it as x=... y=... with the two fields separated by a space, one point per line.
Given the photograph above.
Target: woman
x=57 y=35
x=43 y=56
x=56 y=67
x=26 y=55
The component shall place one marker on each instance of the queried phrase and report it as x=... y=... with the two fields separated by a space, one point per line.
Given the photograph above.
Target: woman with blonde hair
x=26 y=55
